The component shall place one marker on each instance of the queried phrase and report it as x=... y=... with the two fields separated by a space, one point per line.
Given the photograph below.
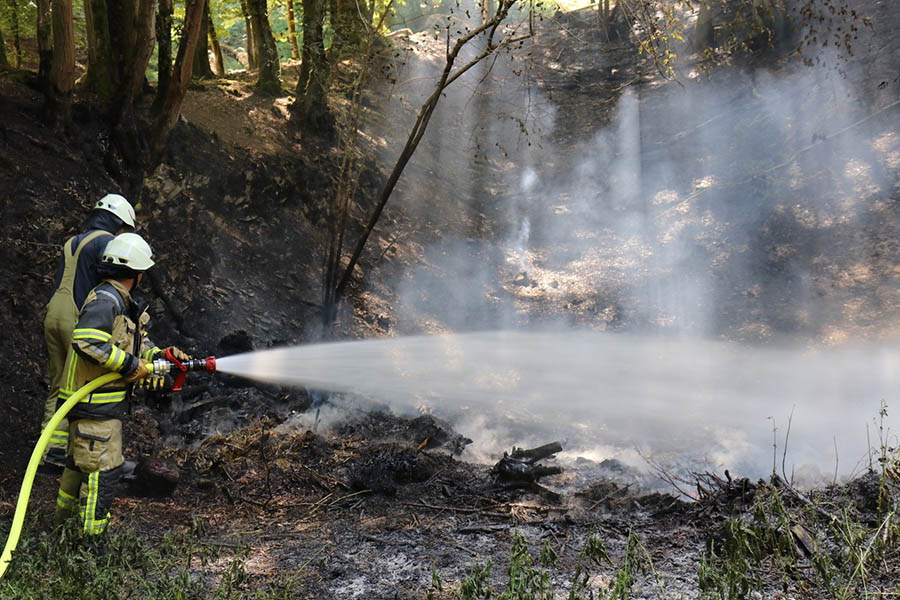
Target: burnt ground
x=371 y=507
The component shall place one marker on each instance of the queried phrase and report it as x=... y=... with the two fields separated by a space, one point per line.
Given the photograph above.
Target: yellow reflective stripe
x=111 y=359
x=90 y=507
x=120 y=361
x=150 y=353
x=96 y=398
x=116 y=359
x=97 y=526
x=91 y=334
x=106 y=397
x=70 y=376
x=66 y=502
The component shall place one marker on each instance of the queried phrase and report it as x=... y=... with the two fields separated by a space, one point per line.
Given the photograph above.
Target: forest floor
x=270 y=501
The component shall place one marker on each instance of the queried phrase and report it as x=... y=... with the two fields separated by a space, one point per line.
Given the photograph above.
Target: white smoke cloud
x=741 y=205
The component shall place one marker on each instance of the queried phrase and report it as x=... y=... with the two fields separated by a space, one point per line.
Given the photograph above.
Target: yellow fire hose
x=25 y=492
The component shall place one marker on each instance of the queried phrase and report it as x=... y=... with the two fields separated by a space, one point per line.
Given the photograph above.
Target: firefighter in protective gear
x=107 y=337
x=76 y=276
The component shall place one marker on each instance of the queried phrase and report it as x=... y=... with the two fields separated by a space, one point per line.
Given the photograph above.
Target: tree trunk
x=14 y=23
x=181 y=78
x=122 y=35
x=292 y=30
x=126 y=135
x=252 y=54
x=101 y=71
x=45 y=44
x=349 y=30
x=218 y=59
x=704 y=35
x=201 y=54
x=310 y=110
x=164 y=53
x=62 y=74
x=142 y=49
x=603 y=8
x=269 y=68
x=4 y=62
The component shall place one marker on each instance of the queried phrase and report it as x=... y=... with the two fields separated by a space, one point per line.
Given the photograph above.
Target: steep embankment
x=235 y=232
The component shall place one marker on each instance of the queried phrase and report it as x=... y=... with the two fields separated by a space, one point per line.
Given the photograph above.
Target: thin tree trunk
x=252 y=54
x=603 y=5
x=45 y=44
x=101 y=72
x=17 y=40
x=269 y=67
x=62 y=74
x=292 y=30
x=181 y=78
x=201 y=54
x=218 y=59
x=164 y=52
x=704 y=35
x=333 y=295
x=4 y=62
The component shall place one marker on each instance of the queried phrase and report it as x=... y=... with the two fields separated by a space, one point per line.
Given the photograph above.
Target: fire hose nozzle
x=170 y=364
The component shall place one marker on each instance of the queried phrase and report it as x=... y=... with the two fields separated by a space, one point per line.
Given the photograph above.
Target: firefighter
x=107 y=337
x=75 y=277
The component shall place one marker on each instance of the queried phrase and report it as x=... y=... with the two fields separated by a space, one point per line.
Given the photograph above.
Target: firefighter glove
x=153 y=382
x=179 y=354
x=141 y=372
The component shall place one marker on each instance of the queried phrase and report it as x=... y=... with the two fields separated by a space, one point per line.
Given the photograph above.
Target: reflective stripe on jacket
x=107 y=337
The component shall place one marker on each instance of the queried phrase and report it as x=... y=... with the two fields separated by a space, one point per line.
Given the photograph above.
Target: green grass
x=59 y=564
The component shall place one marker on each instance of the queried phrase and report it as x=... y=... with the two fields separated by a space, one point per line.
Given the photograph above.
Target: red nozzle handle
x=180 y=367
x=195 y=364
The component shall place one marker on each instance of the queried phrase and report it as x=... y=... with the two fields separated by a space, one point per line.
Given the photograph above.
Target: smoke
x=755 y=205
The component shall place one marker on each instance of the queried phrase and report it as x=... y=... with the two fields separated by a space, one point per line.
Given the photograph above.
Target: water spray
x=160 y=366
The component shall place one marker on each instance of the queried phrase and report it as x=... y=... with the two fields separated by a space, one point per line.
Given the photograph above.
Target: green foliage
x=18 y=22
x=636 y=561
x=477 y=584
x=846 y=556
x=61 y=564
x=526 y=581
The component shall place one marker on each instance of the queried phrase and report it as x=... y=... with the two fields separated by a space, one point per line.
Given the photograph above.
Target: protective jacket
x=108 y=337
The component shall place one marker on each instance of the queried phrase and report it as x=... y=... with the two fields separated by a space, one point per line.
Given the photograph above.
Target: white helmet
x=118 y=206
x=128 y=250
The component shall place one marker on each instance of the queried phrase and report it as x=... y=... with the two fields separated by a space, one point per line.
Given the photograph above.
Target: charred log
x=519 y=469
x=153 y=478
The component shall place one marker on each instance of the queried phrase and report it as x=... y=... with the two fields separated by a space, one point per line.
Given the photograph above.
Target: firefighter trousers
x=58 y=325
x=93 y=469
